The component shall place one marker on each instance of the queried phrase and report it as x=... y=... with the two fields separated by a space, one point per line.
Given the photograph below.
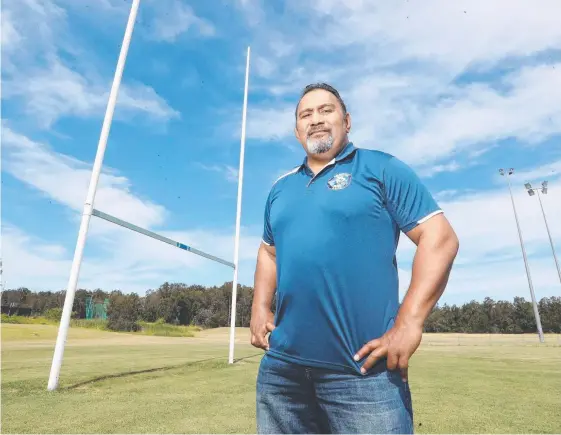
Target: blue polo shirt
x=336 y=235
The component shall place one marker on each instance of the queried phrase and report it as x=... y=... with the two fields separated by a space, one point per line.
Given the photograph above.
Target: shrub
x=123 y=312
x=53 y=314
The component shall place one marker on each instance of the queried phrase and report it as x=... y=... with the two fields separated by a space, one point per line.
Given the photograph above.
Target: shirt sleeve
x=267 y=230
x=409 y=201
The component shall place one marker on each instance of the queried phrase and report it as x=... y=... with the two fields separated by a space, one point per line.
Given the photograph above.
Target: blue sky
x=455 y=89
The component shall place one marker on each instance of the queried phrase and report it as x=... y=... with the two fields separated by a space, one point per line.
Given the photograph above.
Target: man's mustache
x=317 y=130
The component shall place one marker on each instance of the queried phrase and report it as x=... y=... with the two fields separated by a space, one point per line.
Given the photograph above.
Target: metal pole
x=88 y=206
x=159 y=237
x=534 y=303
x=238 y=218
x=549 y=235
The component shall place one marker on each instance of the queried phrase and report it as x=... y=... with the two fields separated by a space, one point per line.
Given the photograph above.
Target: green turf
x=125 y=383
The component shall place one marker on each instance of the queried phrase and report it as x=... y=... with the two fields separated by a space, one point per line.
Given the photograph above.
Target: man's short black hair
x=325 y=87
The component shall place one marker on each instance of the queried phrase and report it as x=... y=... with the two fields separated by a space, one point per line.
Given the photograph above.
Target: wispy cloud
x=253 y=11
x=126 y=260
x=57 y=91
x=66 y=179
x=433 y=170
x=444 y=194
x=49 y=87
x=123 y=259
x=169 y=19
x=411 y=91
x=485 y=223
x=228 y=172
x=273 y=123
x=549 y=171
x=157 y=20
x=476 y=114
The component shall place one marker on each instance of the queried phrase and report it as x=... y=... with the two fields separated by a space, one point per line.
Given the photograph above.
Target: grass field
x=127 y=383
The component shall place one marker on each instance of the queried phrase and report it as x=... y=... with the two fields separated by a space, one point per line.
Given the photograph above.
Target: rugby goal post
x=89 y=211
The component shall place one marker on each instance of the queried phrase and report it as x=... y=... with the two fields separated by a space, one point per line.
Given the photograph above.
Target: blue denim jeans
x=295 y=399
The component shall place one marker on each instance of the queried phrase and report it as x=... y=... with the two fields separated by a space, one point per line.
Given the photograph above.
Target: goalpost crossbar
x=159 y=237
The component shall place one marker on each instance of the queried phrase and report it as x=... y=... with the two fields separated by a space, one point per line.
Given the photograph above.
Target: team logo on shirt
x=339 y=181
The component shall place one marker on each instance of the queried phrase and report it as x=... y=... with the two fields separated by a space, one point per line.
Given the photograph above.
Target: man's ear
x=348 y=122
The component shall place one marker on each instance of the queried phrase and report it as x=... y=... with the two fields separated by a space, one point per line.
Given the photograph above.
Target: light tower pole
x=534 y=303
x=531 y=191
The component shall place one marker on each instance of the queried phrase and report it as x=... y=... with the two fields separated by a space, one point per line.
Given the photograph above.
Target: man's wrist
x=411 y=316
x=261 y=305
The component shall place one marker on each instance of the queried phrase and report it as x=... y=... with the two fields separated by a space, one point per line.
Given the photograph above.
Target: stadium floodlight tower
x=532 y=191
x=507 y=174
x=90 y=211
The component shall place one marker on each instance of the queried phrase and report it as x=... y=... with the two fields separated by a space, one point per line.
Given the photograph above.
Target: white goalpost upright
x=89 y=210
x=238 y=216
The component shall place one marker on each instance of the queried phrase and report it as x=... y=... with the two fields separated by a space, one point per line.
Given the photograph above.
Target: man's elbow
x=441 y=239
x=450 y=242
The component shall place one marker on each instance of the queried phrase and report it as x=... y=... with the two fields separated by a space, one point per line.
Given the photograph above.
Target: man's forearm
x=265 y=280
x=431 y=269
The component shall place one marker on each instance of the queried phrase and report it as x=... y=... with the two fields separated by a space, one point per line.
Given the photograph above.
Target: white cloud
x=270 y=123
x=123 y=259
x=433 y=170
x=66 y=180
x=399 y=74
x=10 y=36
x=485 y=222
x=48 y=87
x=228 y=172
x=253 y=11
x=157 y=20
x=529 y=111
x=115 y=257
x=548 y=171
x=490 y=260
x=443 y=194
x=28 y=262
x=57 y=91
x=451 y=34
x=168 y=19
x=503 y=280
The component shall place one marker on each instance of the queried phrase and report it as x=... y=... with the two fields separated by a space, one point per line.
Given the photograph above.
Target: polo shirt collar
x=346 y=151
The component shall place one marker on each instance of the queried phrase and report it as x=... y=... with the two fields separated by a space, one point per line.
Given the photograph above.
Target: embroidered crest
x=339 y=181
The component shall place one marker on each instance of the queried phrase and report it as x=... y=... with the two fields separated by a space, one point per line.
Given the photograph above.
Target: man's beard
x=319 y=145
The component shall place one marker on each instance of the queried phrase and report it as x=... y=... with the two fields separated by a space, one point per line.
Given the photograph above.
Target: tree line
x=209 y=307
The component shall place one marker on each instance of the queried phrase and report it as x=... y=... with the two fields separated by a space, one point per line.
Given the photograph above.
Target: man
x=339 y=346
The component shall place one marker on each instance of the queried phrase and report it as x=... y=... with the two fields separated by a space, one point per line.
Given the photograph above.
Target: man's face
x=320 y=123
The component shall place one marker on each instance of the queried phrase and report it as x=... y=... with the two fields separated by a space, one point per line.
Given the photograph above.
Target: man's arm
x=437 y=246
x=265 y=283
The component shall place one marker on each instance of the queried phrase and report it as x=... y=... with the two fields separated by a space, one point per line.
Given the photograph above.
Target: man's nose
x=316 y=118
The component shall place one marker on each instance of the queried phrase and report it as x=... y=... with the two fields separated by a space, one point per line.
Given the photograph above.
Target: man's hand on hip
x=397 y=345
x=262 y=322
